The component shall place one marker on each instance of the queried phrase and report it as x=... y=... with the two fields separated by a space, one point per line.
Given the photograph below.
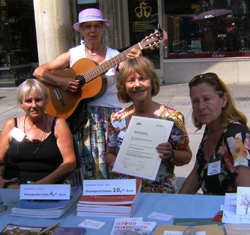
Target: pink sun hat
x=90 y=14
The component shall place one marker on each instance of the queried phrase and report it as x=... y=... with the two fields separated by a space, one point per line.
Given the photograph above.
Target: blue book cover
x=46 y=208
x=49 y=204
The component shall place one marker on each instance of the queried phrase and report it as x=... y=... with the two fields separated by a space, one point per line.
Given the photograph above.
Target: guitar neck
x=102 y=68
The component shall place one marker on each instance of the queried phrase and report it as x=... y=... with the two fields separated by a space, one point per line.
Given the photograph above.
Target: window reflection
x=206 y=27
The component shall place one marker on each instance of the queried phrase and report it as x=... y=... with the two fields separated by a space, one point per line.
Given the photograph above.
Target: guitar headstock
x=154 y=40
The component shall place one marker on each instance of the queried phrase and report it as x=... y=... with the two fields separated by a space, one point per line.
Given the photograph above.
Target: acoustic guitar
x=92 y=84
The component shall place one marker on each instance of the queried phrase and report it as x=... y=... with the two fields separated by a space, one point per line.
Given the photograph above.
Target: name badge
x=122 y=134
x=214 y=168
x=17 y=134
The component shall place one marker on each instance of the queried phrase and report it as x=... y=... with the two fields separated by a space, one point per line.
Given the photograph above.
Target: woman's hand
x=178 y=157
x=166 y=151
x=134 y=53
x=69 y=84
x=3 y=182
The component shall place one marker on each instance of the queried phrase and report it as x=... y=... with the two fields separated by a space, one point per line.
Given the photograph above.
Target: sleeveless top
x=30 y=161
x=109 y=98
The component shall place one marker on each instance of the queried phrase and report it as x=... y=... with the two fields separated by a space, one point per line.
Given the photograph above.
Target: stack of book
x=109 y=206
x=46 y=208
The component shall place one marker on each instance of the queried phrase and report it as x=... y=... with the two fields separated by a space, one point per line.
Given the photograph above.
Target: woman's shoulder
x=112 y=52
x=235 y=127
x=172 y=113
x=117 y=114
x=118 y=120
x=77 y=48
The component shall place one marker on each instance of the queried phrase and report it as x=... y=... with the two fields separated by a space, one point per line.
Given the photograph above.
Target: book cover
x=32 y=230
x=47 y=204
x=109 y=206
x=46 y=208
x=112 y=199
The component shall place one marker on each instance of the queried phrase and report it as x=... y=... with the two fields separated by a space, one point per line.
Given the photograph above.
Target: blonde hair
x=229 y=112
x=31 y=85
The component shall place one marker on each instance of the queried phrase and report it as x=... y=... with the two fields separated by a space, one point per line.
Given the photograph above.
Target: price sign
x=109 y=187
x=45 y=191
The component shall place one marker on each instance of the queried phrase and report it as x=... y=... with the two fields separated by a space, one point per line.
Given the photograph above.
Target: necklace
x=93 y=53
x=34 y=140
x=43 y=130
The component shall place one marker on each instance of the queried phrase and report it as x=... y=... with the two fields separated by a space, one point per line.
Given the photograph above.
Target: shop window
x=17 y=34
x=207 y=28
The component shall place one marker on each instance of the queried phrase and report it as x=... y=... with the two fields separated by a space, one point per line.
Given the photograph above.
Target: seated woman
x=138 y=82
x=222 y=161
x=35 y=147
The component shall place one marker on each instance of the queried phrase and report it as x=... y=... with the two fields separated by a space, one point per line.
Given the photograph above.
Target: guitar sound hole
x=81 y=80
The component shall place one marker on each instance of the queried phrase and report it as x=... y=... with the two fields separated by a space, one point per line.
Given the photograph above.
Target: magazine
x=33 y=230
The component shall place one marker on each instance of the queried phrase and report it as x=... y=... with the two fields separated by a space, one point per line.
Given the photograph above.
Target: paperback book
x=46 y=208
x=109 y=206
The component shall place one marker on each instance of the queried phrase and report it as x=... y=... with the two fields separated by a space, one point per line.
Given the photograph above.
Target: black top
x=30 y=162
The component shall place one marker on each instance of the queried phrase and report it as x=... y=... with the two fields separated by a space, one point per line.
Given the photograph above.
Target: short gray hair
x=31 y=85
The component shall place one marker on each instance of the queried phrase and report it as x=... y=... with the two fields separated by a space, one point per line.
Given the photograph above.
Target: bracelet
x=172 y=158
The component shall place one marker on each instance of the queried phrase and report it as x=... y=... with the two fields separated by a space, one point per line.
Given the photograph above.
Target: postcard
x=243 y=201
x=138 y=155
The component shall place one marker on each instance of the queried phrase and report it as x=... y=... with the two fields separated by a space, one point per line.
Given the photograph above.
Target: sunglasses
x=212 y=77
x=37 y=141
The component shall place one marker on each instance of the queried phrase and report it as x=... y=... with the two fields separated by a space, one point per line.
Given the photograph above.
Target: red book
x=112 y=199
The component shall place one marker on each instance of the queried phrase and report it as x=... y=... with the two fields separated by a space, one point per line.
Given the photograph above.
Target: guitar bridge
x=59 y=96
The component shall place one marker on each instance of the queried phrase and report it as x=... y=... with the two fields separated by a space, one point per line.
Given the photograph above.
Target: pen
x=52 y=226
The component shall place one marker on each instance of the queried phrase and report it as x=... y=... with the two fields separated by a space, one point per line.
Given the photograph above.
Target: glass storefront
x=207 y=28
x=18 y=47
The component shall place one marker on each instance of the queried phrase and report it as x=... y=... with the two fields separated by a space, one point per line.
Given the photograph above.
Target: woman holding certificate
x=138 y=83
x=223 y=158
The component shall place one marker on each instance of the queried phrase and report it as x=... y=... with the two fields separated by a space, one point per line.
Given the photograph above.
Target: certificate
x=138 y=155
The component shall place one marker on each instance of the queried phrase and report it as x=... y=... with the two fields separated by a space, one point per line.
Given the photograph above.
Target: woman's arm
x=191 y=184
x=5 y=144
x=178 y=157
x=61 y=62
x=243 y=176
x=110 y=157
x=66 y=147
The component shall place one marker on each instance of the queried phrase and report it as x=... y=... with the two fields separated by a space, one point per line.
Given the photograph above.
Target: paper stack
x=46 y=208
x=109 y=205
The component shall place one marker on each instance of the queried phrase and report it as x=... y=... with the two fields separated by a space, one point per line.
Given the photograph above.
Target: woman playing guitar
x=92 y=136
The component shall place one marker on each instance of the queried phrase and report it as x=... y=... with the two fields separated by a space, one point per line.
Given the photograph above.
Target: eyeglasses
x=39 y=142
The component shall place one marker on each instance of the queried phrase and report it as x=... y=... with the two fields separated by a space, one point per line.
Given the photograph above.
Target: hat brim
x=76 y=25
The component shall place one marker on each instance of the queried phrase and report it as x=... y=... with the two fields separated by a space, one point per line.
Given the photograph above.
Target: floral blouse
x=233 y=149
x=165 y=181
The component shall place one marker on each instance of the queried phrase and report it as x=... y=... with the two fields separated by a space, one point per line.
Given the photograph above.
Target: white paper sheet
x=138 y=155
